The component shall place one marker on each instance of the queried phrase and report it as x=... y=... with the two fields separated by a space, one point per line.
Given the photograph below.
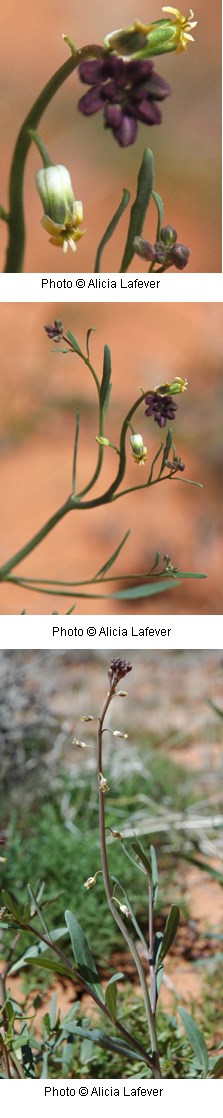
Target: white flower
x=139 y=451
x=62 y=214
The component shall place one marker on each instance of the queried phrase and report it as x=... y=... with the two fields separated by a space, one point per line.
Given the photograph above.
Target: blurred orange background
x=40 y=389
x=187 y=146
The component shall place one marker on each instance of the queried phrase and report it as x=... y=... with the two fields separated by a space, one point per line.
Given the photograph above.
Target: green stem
x=16 y=243
x=76 y=440
x=33 y=543
x=109 y=894
x=74 y=501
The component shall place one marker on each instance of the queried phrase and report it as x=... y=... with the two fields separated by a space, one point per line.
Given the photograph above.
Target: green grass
x=40 y=846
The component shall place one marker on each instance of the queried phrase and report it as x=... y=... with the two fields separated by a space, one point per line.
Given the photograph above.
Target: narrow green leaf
x=11 y=904
x=103 y=570
x=53 y=1011
x=189 y=574
x=52 y=965
x=111 y=994
x=140 y=206
x=160 y=209
x=157 y=944
x=74 y=342
x=138 y=849
x=203 y=866
x=167 y=448
x=159 y=978
x=217 y=710
x=39 y=947
x=75 y=453
x=111 y=1044
x=216 y=1069
x=111 y=228
x=155 y=875
x=169 y=932
x=156 y=456
x=106 y=378
x=89 y=332
x=148 y=590
x=82 y=954
x=196 y=1039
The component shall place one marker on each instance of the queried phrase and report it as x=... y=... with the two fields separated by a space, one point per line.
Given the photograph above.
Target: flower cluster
x=166 y=251
x=118 y=669
x=126 y=91
x=175 y=465
x=55 y=332
x=161 y=407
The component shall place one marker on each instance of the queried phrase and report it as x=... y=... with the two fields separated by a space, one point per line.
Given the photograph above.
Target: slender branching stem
x=151 y=957
x=15 y=218
x=109 y=894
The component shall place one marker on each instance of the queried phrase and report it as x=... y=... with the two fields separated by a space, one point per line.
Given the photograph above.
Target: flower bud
x=139 y=451
x=116 y=834
x=144 y=249
x=90 y=882
x=103 y=786
x=87 y=718
x=101 y=440
x=179 y=384
x=147 y=40
x=124 y=909
x=81 y=744
x=62 y=214
x=168 y=235
x=119 y=734
x=180 y=256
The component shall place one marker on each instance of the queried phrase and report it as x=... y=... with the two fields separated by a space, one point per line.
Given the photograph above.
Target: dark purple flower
x=118 y=669
x=126 y=91
x=56 y=331
x=161 y=407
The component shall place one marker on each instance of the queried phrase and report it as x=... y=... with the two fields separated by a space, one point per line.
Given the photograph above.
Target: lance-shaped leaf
x=111 y=1044
x=111 y=993
x=37 y=948
x=196 y=1040
x=103 y=570
x=111 y=228
x=142 y=856
x=147 y=590
x=160 y=210
x=159 y=978
x=155 y=875
x=82 y=955
x=169 y=933
x=216 y=1071
x=74 y=343
x=89 y=332
x=140 y=206
x=203 y=866
x=167 y=448
x=10 y=903
x=51 y=965
x=106 y=380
